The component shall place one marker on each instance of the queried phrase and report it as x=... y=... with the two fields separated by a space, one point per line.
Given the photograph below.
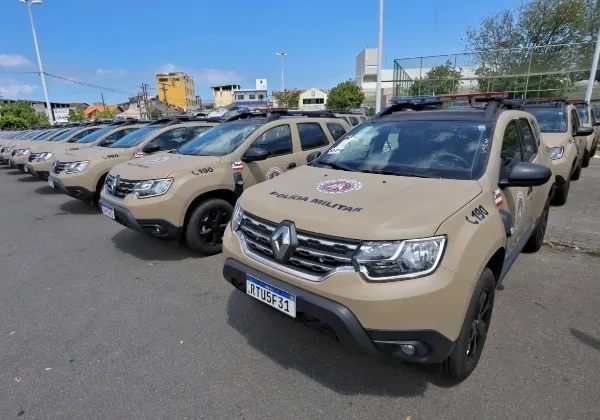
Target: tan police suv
x=81 y=173
x=586 y=117
x=42 y=156
x=395 y=238
x=565 y=138
x=193 y=191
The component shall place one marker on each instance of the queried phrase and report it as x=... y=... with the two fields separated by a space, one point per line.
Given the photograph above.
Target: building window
x=240 y=97
x=252 y=97
x=163 y=79
x=261 y=97
x=312 y=101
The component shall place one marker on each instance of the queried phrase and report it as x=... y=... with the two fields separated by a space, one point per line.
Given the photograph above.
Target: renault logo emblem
x=284 y=241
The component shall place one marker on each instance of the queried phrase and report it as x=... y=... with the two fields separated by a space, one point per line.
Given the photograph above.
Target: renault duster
x=191 y=193
x=396 y=238
x=81 y=173
x=591 y=140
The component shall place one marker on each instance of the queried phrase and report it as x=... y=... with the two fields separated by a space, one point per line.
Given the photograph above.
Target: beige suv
x=395 y=239
x=193 y=191
x=81 y=173
x=42 y=156
x=587 y=120
x=566 y=141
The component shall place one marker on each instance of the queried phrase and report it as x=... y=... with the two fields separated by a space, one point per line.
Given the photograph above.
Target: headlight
x=74 y=167
x=21 y=152
x=556 y=152
x=45 y=156
x=152 y=187
x=236 y=219
x=399 y=260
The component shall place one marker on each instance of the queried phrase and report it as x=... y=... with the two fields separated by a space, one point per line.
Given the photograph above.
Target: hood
x=162 y=165
x=358 y=205
x=50 y=146
x=93 y=153
x=554 y=139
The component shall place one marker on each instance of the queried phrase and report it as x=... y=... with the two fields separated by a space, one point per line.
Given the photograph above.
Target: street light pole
x=282 y=54
x=379 y=58
x=37 y=50
x=590 y=86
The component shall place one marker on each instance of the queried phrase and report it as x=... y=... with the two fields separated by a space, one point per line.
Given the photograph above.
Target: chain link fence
x=551 y=70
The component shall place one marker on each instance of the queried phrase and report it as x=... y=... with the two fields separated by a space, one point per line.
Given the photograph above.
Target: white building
x=312 y=99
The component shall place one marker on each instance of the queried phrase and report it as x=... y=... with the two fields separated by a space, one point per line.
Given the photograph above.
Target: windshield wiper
x=371 y=171
x=333 y=165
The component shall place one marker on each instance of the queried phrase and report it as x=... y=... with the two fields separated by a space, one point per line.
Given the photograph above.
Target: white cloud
x=110 y=73
x=169 y=68
x=14 y=90
x=205 y=76
x=13 y=60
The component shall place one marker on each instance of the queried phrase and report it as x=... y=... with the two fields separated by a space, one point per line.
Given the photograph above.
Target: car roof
x=441 y=114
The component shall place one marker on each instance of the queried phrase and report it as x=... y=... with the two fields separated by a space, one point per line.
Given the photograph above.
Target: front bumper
x=80 y=193
x=13 y=164
x=156 y=228
x=431 y=346
x=41 y=169
x=563 y=168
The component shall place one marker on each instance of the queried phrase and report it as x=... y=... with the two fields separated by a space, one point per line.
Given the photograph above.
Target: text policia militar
x=325 y=203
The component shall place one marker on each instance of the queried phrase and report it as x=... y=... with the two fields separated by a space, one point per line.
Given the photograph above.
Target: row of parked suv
x=392 y=235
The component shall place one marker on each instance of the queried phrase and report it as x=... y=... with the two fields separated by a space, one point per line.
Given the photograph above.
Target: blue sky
x=121 y=43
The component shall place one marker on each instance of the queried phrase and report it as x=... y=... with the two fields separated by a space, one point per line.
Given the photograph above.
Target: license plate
x=282 y=301
x=25 y=168
x=108 y=211
x=50 y=182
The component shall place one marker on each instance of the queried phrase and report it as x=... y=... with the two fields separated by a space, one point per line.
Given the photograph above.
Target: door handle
x=292 y=165
x=529 y=191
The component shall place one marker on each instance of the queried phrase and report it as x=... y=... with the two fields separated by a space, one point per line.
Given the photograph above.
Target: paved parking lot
x=577 y=223
x=97 y=321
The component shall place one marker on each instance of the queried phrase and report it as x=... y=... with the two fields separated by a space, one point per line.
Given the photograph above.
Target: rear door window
x=277 y=140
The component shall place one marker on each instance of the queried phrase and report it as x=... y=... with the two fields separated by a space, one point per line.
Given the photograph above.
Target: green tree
x=511 y=45
x=156 y=113
x=344 y=96
x=105 y=114
x=76 y=115
x=287 y=98
x=22 y=113
x=8 y=122
x=438 y=80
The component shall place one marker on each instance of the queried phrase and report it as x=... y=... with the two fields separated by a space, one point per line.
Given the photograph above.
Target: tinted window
x=136 y=137
x=276 y=141
x=66 y=134
x=196 y=131
x=90 y=138
x=550 y=120
x=336 y=130
x=171 y=139
x=582 y=110
x=575 y=123
x=311 y=136
x=511 y=148
x=221 y=140
x=425 y=148
x=529 y=143
x=82 y=134
x=353 y=120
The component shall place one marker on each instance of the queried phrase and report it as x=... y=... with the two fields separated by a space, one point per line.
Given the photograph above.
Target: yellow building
x=224 y=95
x=178 y=88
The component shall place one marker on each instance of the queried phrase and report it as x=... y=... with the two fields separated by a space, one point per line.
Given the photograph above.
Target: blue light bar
x=415 y=100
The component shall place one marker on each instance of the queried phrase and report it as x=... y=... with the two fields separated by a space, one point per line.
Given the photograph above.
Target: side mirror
x=526 y=174
x=150 y=149
x=584 y=131
x=255 y=154
x=313 y=156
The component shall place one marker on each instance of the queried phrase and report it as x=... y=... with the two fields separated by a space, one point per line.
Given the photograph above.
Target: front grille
x=3 y=149
x=124 y=187
x=315 y=254
x=33 y=156
x=58 y=167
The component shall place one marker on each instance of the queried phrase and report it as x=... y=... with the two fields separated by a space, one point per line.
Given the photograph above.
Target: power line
x=122 y=92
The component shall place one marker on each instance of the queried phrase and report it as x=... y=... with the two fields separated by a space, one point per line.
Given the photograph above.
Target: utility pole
x=379 y=58
x=282 y=54
x=164 y=89
x=146 y=112
x=590 y=86
x=103 y=103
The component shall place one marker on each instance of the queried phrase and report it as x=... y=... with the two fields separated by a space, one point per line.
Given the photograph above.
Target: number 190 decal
x=477 y=215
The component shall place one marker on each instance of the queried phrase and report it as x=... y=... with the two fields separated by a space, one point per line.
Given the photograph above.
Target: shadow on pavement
x=345 y=371
x=45 y=190
x=28 y=178
x=14 y=172
x=146 y=248
x=586 y=339
x=78 y=207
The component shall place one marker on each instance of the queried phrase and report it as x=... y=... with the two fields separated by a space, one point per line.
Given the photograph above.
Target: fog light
x=408 y=349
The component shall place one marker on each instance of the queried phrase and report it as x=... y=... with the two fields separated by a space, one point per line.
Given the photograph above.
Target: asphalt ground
x=97 y=321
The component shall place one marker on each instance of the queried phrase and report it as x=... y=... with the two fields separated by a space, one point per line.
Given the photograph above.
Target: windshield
x=48 y=134
x=96 y=134
x=136 y=137
x=221 y=140
x=582 y=110
x=550 y=120
x=453 y=149
x=66 y=134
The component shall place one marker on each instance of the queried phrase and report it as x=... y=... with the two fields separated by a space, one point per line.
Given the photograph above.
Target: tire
x=586 y=159
x=469 y=346
x=537 y=236
x=561 y=193
x=577 y=172
x=205 y=227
